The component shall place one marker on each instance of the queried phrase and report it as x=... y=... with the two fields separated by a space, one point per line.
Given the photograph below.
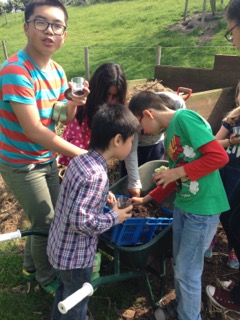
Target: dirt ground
x=215 y=269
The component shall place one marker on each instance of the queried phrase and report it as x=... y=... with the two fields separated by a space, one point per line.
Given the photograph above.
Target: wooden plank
x=213 y=105
x=225 y=74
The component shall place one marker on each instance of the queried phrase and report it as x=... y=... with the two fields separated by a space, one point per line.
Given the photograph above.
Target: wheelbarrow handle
x=186 y=91
x=10 y=236
x=19 y=234
x=67 y=304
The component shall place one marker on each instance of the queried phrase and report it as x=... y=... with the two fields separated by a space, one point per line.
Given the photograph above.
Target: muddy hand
x=123 y=214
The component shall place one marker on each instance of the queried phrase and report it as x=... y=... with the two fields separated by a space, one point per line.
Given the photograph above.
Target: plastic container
x=135 y=231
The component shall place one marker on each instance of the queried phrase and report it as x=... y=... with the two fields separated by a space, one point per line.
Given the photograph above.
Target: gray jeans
x=36 y=188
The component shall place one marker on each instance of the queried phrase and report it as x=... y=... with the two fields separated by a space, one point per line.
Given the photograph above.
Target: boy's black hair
x=149 y=100
x=109 y=121
x=107 y=75
x=233 y=11
x=30 y=7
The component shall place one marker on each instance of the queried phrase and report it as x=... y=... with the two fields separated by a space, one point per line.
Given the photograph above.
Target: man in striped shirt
x=30 y=84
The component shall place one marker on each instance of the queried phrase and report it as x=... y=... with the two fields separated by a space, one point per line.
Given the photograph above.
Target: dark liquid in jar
x=78 y=93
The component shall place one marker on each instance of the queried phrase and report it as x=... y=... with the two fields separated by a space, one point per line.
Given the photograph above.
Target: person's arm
x=223 y=138
x=86 y=215
x=28 y=117
x=131 y=163
x=213 y=157
x=158 y=194
x=76 y=101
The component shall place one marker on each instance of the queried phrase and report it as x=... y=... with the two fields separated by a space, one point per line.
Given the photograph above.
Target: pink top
x=77 y=135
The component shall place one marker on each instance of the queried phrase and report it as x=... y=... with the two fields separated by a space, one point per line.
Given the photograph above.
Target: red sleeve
x=213 y=157
x=159 y=194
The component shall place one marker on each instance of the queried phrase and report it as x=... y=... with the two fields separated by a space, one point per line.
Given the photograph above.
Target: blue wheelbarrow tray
x=131 y=262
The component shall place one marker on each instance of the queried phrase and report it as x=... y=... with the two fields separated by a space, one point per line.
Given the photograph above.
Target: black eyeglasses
x=228 y=35
x=42 y=25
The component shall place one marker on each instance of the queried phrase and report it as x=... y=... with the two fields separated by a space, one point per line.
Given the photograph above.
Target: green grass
x=107 y=303
x=126 y=32
x=15 y=302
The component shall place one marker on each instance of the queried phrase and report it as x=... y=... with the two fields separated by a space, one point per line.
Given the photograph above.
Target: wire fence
x=137 y=62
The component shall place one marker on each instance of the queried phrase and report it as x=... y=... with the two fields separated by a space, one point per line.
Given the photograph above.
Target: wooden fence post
x=158 y=55
x=185 y=10
x=5 y=15
x=4 y=49
x=86 y=58
x=203 y=14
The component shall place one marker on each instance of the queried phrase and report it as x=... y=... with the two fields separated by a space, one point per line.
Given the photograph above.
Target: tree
x=1 y=8
x=14 y=5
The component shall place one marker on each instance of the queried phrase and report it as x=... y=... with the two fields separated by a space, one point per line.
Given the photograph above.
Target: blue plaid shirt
x=79 y=217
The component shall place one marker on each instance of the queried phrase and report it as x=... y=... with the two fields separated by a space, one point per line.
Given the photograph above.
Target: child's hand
x=167 y=176
x=135 y=192
x=123 y=214
x=136 y=201
x=111 y=198
x=235 y=139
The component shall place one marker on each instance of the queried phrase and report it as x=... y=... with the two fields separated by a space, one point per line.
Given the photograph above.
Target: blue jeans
x=69 y=282
x=192 y=235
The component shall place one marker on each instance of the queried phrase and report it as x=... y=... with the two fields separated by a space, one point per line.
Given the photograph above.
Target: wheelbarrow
x=133 y=262
x=129 y=262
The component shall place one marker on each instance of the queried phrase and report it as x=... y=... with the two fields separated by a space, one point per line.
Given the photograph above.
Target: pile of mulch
x=153 y=86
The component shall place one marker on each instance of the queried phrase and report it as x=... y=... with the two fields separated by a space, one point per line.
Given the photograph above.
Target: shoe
x=27 y=275
x=51 y=287
x=232 y=262
x=168 y=312
x=209 y=251
x=227 y=285
x=221 y=298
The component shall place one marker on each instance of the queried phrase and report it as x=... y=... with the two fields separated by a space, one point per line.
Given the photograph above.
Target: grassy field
x=128 y=33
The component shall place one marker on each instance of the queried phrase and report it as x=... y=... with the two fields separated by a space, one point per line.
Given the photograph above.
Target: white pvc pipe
x=67 y=304
x=10 y=236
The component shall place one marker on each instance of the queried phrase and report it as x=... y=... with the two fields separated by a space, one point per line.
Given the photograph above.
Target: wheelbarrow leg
x=161 y=276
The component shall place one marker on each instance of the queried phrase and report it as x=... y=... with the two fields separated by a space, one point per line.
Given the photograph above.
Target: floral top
x=79 y=135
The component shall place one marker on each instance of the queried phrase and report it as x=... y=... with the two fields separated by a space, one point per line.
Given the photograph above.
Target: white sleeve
x=179 y=102
x=131 y=164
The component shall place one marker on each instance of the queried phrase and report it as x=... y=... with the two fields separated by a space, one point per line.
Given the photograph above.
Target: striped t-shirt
x=22 y=81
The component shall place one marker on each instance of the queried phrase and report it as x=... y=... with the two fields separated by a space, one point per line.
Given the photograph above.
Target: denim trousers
x=69 y=282
x=36 y=188
x=192 y=235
